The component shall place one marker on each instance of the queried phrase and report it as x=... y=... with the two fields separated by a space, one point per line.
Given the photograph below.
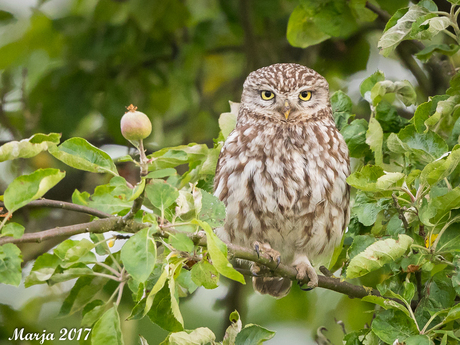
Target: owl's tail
x=274 y=286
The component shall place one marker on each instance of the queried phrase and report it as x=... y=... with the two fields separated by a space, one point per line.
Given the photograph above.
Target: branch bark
x=97 y=226
x=66 y=206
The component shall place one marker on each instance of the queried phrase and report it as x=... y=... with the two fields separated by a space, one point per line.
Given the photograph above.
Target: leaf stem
x=7 y=216
x=121 y=286
x=114 y=271
x=453 y=220
x=430 y=320
x=447 y=32
x=108 y=276
x=115 y=261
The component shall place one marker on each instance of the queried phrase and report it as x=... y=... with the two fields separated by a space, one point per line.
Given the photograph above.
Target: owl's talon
x=278 y=261
x=266 y=251
x=257 y=249
x=305 y=269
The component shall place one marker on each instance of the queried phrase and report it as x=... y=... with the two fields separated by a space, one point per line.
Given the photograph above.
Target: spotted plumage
x=282 y=172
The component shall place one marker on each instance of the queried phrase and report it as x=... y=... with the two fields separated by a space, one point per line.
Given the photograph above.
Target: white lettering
x=17 y=335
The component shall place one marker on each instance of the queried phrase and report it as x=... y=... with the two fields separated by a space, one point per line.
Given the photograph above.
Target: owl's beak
x=287 y=109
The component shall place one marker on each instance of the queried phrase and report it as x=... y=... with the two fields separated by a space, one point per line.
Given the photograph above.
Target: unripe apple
x=135 y=125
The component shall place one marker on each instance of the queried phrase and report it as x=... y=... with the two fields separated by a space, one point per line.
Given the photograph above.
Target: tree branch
x=66 y=206
x=97 y=226
x=235 y=252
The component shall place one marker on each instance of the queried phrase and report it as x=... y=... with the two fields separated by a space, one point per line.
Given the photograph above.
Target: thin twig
x=108 y=276
x=114 y=271
x=66 y=206
x=400 y=212
x=97 y=226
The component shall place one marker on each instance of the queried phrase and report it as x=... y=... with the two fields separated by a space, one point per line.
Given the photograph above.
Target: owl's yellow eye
x=267 y=95
x=305 y=95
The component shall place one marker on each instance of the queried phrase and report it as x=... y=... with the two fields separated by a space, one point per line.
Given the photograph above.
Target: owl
x=282 y=174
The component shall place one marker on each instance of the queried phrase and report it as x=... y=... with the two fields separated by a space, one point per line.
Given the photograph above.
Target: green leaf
x=424 y=111
x=10 y=264
x=424 y=147
x=165 y=310
x=409 y=291
x=82 y=292
x=199 y=336
x=302 y=32
x=28 y=148
x=374 y=138
x=367 y=209
x=450 y=240
x=102 y=248
x=80 y=154
x=341 y=108
x=453 y=314
x=27 y=188
x=355 y=137
x=396 y=16
x=44 y=267
x=441 y=168
x=368 y=83
x=333 y=17
x=139 y=254
x=162 y=173
x=366 y=178
x=419 y=340
x=253 y=335
x=403 y=90
x=70 y=273
x=443 y=204
x=340 y=102
x=107 y=330
x=388 y=117
x=377 y=255
x=12 y=229
x=430 y=27
x=138 y=190
x=80 y=252
x=430 y=5
x=170 y=157
x=445 y=49
x=227 y=121
x=363 y=336
x=232 y=330
x=92 y=312
x=360 y=243
x=159 y=284
x=384 y=326
x=400 y=30
x=361 y=12
x=161 y=194
x=181 y=242
x=212 y=210
x=218 y=251
x=204 y=274
x=111 y=198
x=437 y=295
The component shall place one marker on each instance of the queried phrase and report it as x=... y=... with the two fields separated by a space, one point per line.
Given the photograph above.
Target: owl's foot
x=305 y=269
x=266 y=251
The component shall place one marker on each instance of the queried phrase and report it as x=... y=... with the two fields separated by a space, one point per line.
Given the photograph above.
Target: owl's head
x=286 y=92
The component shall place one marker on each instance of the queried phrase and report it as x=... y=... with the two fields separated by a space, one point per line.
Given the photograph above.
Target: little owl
x=282 y=174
